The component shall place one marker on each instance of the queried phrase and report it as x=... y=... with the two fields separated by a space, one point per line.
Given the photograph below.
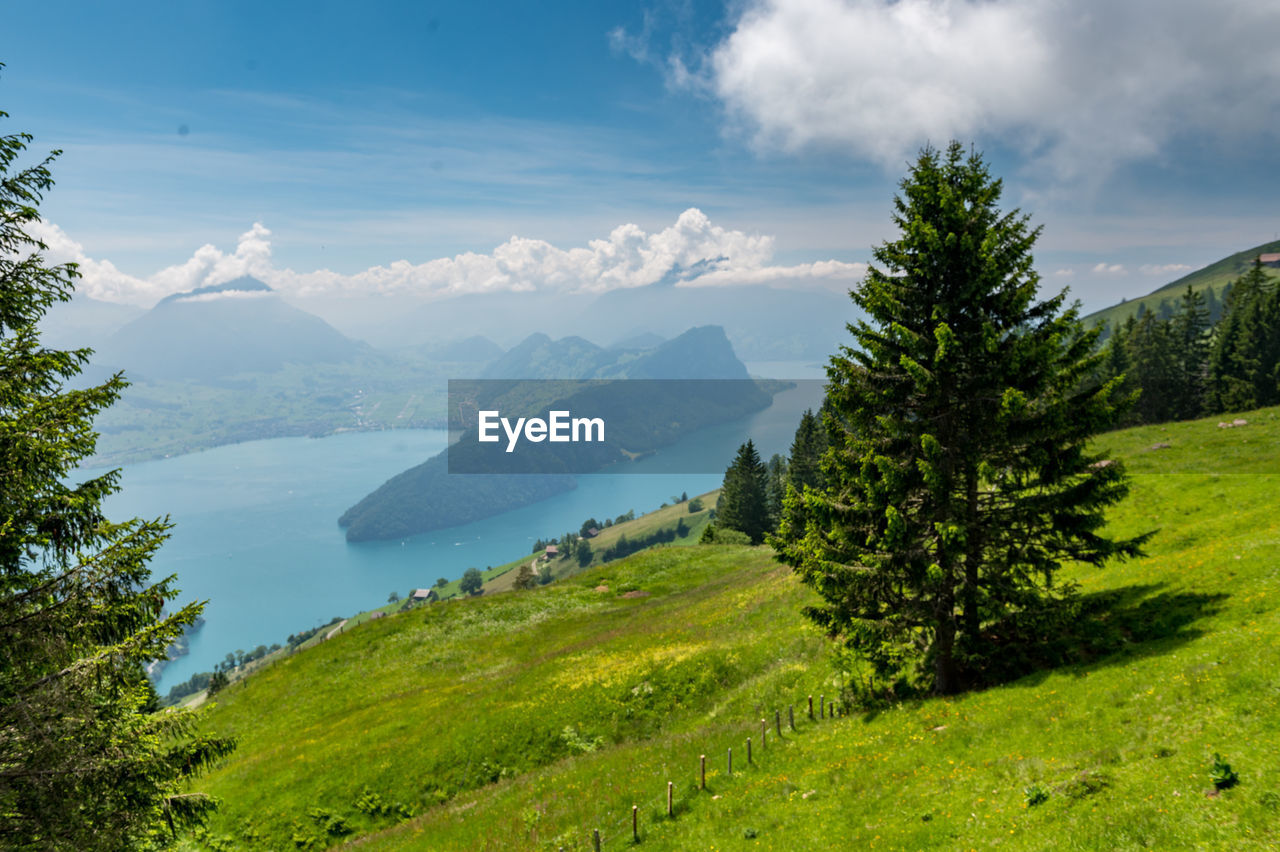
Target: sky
x=447 y=148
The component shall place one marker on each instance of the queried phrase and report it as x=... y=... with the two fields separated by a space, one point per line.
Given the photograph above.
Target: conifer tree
x=1191 y=344
x=744 y=500
x=1155 y=369
x=776 y=471
x=1244 y=360
x=807 y=447
x=85 y=763
x=959 y=477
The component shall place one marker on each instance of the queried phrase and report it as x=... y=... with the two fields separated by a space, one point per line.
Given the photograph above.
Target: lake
x=256 y=530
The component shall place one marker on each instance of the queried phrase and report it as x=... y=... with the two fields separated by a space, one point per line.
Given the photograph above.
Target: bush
x=695 y=505
x=1222 y=775
x=713 y=534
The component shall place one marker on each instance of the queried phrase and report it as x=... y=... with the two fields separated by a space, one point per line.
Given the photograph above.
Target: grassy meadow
x=528 y=720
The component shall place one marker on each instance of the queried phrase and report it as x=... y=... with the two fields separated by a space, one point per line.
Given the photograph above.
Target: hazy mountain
x=476 y=348
x=762 y=323
x=699 y=353
x=648 y=415
x=644 y=340
x=540 y=357
x=211 y=332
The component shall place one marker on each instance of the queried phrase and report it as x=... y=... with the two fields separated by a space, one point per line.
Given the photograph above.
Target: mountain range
x=650 y=414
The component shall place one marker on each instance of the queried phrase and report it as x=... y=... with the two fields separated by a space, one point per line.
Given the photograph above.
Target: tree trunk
x=946 y=679
x=973 y=549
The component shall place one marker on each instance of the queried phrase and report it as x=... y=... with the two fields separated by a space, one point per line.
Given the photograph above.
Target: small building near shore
x=423 y=595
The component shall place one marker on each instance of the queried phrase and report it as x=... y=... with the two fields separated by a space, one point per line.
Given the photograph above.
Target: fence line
x=825 y=711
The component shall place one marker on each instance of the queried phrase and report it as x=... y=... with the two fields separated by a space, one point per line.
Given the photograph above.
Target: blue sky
x=1144 y=139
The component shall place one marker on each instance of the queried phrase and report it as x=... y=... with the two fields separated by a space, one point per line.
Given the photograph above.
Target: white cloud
x=692 y=252
x=101 y=279
x=1109 y=269
x=1080 y=85
x=1065 y=272
x=1163 y=268
x=224 y=295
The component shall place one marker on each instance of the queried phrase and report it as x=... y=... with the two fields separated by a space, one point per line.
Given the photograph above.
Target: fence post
x=777 y=721
x=635 y=824
x=595 y=838
x=822 y=706
x=791 y=715
x=764 y=733
x=702 y=760
x=748 y=751
x=730 y=772
x=670 y=811
x=810 y=708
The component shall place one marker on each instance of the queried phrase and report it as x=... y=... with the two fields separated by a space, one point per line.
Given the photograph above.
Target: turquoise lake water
x=256 y=523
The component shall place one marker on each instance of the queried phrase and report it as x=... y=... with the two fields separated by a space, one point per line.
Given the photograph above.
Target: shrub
x=1222 y=775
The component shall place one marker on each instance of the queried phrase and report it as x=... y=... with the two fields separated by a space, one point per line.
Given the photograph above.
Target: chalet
x=423 y=595
x=551 y=552
x=377 y=615
x=593 y=532
x=1272 y=259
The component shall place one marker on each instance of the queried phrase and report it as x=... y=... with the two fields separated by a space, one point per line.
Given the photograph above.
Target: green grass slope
x=1216 y=275
x=526 y=720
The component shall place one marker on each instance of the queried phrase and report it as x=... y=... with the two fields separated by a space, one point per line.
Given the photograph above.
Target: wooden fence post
x=810 y=707
x=595 y=838
x=764 y=733
x=635 y=824
x=748 y=751
x=670 y=811
x=822 y=706
x=702 y=761
x=730 y=772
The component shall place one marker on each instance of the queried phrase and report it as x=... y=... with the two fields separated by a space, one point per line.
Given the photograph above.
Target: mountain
x=476 y=348
x=213 y=332
x=1215 y=277
x=644 y=340
x=643 y=416
x=763 y=323
x=540 y=357
x=700 y=353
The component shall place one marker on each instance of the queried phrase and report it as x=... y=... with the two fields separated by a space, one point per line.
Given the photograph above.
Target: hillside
x=526 y=720
x=1216 y=275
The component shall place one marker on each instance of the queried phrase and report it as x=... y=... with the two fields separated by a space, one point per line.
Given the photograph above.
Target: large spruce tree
x=744 y=500
x=86 y=761
x=958 y=479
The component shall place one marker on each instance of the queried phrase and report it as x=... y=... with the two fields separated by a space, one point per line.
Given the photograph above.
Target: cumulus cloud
x=1109 y=269
x=1163 y=268
x=100 y=279
x=1080 y=86
x=693 y=252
